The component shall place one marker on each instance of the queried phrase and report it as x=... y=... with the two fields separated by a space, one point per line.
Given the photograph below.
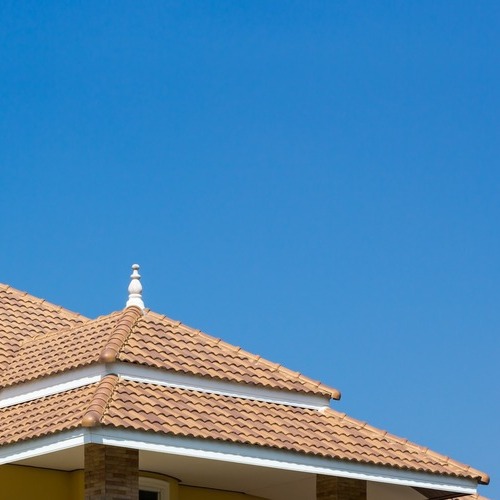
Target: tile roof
x=148 y=407
x=150 y=340
x=42 y=417
x=325 y=433
x=22 y=316
x=38 y=339
x=49 y=353
x=164 y=343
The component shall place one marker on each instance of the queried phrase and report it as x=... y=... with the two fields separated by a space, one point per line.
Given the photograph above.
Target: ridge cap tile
x=103 y=392
x=129 y=318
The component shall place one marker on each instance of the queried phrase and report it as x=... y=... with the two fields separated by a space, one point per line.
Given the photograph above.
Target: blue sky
x=317 y=182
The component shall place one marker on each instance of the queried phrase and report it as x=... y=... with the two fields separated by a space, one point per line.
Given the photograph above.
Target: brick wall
x=339 y=488
x=111 y=473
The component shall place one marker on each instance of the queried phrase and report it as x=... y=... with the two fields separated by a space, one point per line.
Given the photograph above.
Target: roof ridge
x=100 y=401
x=51 y=305
x=121 y=331
x=485 y=479
x=334 y=393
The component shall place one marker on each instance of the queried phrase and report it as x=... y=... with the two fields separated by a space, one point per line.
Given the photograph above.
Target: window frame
x=155 y=486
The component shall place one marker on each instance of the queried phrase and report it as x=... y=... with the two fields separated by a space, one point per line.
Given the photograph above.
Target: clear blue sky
x=317 y=182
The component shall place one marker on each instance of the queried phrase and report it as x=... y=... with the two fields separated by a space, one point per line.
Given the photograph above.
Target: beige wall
x=303 y=489
x=190 y=493
x=31 y=483
x=380 y=491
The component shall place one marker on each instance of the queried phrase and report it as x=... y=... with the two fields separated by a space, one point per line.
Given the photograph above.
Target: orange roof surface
x=325 y=433
x=178 y=412
x=151 y=340
x=472 y=497
x=22 y=316
x=164 y=343
x=48 y=353
x=39 y=339
x=60 y=412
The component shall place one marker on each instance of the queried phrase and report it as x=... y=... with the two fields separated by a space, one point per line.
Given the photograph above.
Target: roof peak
x=135 y=289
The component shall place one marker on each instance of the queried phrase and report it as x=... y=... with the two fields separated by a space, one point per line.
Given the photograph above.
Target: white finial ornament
x=135 y=289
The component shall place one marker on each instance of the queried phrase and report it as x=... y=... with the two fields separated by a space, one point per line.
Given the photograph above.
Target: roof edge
x=236 y=453
x=481 y=476
x=96 y=372
x=283 y=459
x=316 y=387
x=56 y=307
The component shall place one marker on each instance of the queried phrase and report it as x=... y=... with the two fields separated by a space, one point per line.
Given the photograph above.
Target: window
x=153 y=489
x=148 y=495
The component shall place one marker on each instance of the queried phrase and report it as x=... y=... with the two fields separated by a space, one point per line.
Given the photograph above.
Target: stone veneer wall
x=111 y=473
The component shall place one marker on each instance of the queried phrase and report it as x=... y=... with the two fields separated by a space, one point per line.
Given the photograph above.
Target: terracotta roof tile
x=471 y=497
x=38 y=339
x=60 y=412
x=128 y=336
x=181 y=412
x=121 y=331
x=164 y=343
x=100 y=401
x=22 y=316
x=47 y=354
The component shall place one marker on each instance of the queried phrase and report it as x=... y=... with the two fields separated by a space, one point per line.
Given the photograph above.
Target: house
x=136 y=405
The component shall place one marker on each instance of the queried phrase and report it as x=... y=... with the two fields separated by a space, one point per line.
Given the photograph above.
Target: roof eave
x=235 y=453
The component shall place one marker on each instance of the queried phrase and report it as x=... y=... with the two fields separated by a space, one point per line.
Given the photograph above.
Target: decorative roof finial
x=135 y=289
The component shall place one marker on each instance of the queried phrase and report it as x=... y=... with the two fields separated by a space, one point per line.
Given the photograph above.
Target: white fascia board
x=41 y=446
x=156 y=376
x=234 y=453
x=54 y=384
x=266 y=457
